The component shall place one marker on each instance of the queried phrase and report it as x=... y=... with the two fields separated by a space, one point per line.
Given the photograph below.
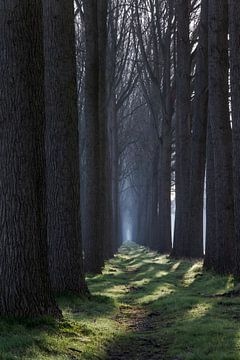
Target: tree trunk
x=194 y=246
x=62 y=149
x=210 y=259
x=165 y=237
x=183 y=129
x=221 y=133
x=165 y=232
x=96 y=152
x=24 y=282
x=234 y=29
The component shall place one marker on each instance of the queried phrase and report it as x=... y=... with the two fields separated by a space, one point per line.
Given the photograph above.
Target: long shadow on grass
x=184 y=323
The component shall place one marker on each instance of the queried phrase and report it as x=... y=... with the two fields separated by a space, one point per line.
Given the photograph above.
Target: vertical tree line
x=118 y=118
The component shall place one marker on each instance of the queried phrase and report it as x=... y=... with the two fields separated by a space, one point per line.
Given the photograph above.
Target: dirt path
x=142 y=341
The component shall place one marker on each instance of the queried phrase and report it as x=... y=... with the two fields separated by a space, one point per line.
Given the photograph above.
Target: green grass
x=143 y=305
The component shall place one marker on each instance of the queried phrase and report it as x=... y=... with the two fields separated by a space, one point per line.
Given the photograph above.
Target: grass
x=144 y=306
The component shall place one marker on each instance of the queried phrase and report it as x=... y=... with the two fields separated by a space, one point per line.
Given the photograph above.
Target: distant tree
x=24 y=281
x=234 y=30
x=62 y=149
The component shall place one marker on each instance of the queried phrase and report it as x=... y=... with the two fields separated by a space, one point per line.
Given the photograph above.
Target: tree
x=194 y=248
x=95 y=12
x=62 y=149
x=183 y=128
x=234 y=30
x=24 y=283
x=221 y=134
x=210 y=258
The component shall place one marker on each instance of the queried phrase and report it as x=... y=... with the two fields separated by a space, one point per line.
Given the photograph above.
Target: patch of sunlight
x=116 y=290
x=199 y=311
x=159 y=293
x=162 y=259
x=142 y=282
x=175 y=266
x=230 y=282
x=190 y=276
x=161 y=273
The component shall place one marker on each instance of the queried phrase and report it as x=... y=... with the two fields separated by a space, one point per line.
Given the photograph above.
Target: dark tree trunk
x=183 y=129
x=234 y=27
x=165 y=233
x=221 y=133
x=210 y=259
x=96 y=153
x=154 y=219
x=24 y=281
x=62 y=149
x=194 y=248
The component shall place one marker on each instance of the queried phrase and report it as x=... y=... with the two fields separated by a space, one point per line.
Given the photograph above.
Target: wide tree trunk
x=194 y=248
x=96 y=132
x=24 y=281
x=221 y=133
x=62 y=149
x=234 y=29
x=183 y=128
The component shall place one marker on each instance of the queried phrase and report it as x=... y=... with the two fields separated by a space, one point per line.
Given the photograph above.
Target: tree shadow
x=184 y=323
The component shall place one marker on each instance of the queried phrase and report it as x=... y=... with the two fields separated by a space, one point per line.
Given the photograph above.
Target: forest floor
x=143 y=307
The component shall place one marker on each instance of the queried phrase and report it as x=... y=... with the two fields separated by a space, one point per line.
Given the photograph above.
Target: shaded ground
x=144 y=306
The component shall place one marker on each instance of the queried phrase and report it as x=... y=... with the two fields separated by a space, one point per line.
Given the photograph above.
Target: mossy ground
x=144 y=306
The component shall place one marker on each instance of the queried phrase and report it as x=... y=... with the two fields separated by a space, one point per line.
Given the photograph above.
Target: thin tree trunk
x=210 y=259
x=194 y=248
x=165 y=232
x=62 y=149
x=24 y=281
x=165 y=237
x=183 y=129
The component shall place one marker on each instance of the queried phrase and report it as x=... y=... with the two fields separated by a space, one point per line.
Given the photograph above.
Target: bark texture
x=221 y=133
x=95 y=116
x=62 y=149
x=194 y=248
x=183 y=128
x=210 y=259
x=234 y=30
x=24 y=280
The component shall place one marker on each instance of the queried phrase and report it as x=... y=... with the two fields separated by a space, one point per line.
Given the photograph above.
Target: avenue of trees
x=115 y=115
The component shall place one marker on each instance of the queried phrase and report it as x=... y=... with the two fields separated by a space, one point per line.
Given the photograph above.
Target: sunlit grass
x=176 y=297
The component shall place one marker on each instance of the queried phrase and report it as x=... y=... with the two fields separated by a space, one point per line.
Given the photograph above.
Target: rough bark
x=165 y=232
x=194 y=248
x=165 y=237
x=210 y=258
x=154 y=222
x=183 y=130
x=62 y=149
x=221 y=133
x=96 y=153
x=234 y=30
x=24 y=281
